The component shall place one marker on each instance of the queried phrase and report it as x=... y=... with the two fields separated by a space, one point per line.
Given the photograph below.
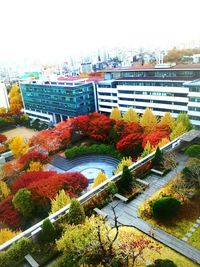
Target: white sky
x=57 y=28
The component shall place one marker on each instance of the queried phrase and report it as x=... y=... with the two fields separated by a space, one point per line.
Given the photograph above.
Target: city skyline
x=55 y=30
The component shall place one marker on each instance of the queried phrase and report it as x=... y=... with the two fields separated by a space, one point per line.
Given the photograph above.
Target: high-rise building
x=162 y=88
x=56 y=100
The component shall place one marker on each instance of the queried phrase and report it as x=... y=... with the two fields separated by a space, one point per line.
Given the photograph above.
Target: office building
x=54 y=101
x=163 y=88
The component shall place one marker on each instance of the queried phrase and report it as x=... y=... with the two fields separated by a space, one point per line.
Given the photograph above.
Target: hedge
x=193 y=151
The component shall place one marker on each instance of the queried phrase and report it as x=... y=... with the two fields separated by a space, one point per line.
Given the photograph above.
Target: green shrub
x=93 y=149
x=158 y=158
x=111 y=188
x=166 y=208
x=16 y=253
x=76 y=213
x=193 y=151
x=48 y=233
x=163 y=263
x=126 y=179
x=69 y=259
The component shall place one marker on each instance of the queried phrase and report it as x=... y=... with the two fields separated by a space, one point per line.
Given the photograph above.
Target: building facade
x=54 y=101
x=162 y=88
x=4 y=103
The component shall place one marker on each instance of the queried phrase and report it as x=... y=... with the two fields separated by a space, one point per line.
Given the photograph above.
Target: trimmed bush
x=158 y=158
x=76 y=213
x=93 y=149
x=163 y=263
x=166 y=208
x=193 y=151
x=126 y=179
x=15 y=254
x=48 y=233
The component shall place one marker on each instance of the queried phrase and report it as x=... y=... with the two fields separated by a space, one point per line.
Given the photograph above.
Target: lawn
x=164 y=253
x=179 y=227
x=194 y=240
x=22 y=131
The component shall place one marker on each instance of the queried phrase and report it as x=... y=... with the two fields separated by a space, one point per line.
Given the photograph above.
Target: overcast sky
x=59 y=28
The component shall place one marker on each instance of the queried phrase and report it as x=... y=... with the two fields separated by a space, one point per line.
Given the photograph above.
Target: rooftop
x=152 y=68
x=182 y=79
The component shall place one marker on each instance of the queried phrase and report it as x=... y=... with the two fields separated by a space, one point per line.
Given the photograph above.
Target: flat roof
x=193 y=83
x=153 y=68
x=178 y=79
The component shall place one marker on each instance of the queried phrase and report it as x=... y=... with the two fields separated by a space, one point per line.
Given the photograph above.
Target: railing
x=35 y=229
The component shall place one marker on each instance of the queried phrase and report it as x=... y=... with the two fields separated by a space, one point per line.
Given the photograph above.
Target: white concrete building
x=4 y=103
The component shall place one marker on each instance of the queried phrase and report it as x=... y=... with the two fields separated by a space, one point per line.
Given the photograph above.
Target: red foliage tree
x=3 y=138
x=8 y=214
x=131 y=128
x=73 y=182
x=34 y=156
x=154 y=138
x=131 y=144
x=99 y=126
x=81 y=124
x=29 y=177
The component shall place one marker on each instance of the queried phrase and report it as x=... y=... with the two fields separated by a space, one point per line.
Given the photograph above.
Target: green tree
x=158 y=159
x=163 y=263
x=130 y=116
x=48 y=232
x=23 y=202
x=178 y=130
x=148 y=120
x=193 y=151
x=76 y=213
x=61 y=200
x=126 y=178
x=115 y=114
x=184 y=118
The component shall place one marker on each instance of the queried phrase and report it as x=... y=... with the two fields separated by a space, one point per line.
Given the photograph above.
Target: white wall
x=3 y=96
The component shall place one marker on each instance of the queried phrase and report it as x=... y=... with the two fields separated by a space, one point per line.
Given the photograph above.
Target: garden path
x=127 y=214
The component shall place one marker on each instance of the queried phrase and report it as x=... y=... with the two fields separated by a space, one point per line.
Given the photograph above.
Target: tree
x=178 y=130
x=48 y=232
x=163 y=263
x=191 y=173
x=166 y=208
x=158 y=159
x=168 y=120
x=148 y=121
x=101 y=177
x=193 y=151
x=126 y=179
x=6 y=234
x=115 y=114
x=153 y=138
x=163 y=142
x=131 y=144
x=23 y=202
x=18 y=146
x=35 y=166
x=148 y=149
x=61 y=200
x=15 y=99
x=3 y=138
x=130 y=116
x=4 y=190
x=126 y=161
x=76 y=213
x=184 y=118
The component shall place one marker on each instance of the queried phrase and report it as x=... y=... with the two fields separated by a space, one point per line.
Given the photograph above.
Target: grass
x=194 y=240
x=164 y=252
x=190 y=211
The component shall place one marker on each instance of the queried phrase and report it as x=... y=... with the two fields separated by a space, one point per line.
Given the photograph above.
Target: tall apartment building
x=4 y=103
x=162 y=88
x=56 y=100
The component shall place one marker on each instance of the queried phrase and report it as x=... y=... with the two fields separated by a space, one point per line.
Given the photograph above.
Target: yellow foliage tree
x=18 y=146
x=61 y=200
x=130 y=116
x=115 y=114
x=101 y=177
x=6 y=234
x=148 y=121
x=163 y=142
x=178 y=130
x=3 y=110
x=168 y=120
x=4 y=190
x=35 y=166
x=126 y=161
x=148 y=149
x=15 y=99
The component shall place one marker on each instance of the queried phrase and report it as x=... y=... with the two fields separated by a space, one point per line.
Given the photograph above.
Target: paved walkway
x=127 y=214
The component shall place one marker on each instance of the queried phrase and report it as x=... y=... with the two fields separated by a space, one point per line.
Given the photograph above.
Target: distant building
x=4 y=103
x=86 y=67
x=57 y=100
x=162 y=88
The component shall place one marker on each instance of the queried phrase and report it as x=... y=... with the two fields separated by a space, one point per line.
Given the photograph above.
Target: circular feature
x=91 y=173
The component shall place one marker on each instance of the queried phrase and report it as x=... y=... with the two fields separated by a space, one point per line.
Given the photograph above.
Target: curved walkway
x=127 y=214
